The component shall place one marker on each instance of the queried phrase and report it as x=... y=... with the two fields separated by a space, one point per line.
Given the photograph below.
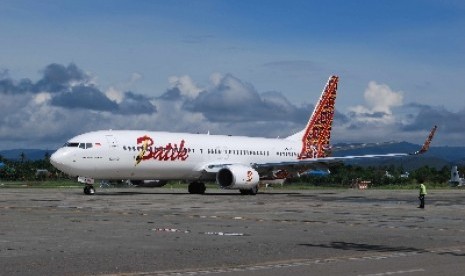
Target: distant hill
x=408 y=163
x=30 y=154
x=436 y=157
x=452 y=154
x=460 y=162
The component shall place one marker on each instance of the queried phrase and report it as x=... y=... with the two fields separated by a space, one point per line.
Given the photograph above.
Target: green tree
x=22 y=156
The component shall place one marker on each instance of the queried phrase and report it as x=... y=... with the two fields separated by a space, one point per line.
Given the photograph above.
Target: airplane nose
x=54 y=160
x=58 y=160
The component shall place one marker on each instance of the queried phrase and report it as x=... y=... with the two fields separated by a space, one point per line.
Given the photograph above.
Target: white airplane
x=234 y=162
x=455 y=178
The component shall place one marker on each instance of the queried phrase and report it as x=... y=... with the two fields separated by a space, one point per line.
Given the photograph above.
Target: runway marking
x=379 y=224
x=262 y=267
x=395 y=272
x=214 y=233
x=225 y=234
x=301 y=263
x=171 y=230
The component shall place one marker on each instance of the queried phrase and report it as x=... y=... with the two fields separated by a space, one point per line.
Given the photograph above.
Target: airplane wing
x=307 y=163
x=353 y=146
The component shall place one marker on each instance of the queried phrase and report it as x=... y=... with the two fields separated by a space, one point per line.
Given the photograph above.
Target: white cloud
x=42 y=98
x=185 y=85
x=380 y=99
x=135 y=77
x=235 y=91
x=227 y=105
x=114 y=94
x=216 y=78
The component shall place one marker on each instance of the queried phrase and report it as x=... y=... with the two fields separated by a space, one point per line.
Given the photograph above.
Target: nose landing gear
x=89 y=190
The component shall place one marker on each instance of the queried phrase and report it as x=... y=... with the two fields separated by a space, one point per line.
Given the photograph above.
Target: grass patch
x=41 y=184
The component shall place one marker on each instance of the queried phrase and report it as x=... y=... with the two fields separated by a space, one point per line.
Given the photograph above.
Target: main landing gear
x=197 y=188
x=89 y=190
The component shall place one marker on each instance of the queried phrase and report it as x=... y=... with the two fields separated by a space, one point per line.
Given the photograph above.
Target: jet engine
x=237 y=177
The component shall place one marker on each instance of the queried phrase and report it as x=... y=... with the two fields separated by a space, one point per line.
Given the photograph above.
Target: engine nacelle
x=237 y=177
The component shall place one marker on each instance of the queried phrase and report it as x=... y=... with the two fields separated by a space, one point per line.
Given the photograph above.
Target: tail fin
x=316 y=135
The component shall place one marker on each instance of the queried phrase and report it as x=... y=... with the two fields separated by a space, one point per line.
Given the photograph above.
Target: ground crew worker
x=422 y=195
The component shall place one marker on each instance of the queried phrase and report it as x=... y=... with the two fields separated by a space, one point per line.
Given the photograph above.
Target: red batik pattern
x=315 y=141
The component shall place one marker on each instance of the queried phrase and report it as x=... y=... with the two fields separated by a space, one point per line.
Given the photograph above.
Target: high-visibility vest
x=422 y=189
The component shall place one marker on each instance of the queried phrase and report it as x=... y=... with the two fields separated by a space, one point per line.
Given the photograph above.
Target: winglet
x=428 y=140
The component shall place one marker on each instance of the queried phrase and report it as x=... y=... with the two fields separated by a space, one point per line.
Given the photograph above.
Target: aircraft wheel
x=202 y=188
x=252 y=191
x=89 y=190
x=197 y=188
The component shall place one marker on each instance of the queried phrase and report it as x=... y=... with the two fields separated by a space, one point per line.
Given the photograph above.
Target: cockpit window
x=71 y=145
x=78 y=145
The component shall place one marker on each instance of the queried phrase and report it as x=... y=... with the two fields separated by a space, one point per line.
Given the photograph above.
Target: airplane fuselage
x=235 y=162
x=127 y=154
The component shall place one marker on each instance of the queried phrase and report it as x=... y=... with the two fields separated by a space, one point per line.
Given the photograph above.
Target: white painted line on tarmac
x=301 y=263
x=395 y=272
x=263 y=267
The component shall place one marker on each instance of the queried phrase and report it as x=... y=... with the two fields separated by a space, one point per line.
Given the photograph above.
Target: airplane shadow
x=378 y=248
x=365 y=247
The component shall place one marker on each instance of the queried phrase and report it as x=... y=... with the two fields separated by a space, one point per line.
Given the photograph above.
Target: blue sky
x=67 y=67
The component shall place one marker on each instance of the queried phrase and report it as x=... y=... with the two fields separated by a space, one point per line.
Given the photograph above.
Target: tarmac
x=162 y=231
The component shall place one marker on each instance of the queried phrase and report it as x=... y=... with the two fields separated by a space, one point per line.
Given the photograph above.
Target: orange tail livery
x=316 y=135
